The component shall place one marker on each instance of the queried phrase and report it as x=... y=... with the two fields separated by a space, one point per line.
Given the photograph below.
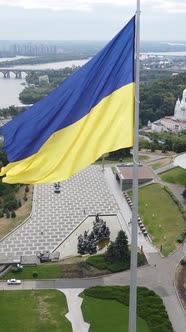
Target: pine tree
x=118 y=251
x=110 y=253
x=121 y=247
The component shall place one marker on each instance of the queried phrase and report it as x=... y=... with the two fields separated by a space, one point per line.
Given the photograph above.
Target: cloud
x=89 y=19
x=169 y=6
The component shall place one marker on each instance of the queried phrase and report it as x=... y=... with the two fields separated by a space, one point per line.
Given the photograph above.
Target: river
x=10 y=88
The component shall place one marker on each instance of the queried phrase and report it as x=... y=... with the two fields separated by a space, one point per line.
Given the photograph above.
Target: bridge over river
x=18 y=72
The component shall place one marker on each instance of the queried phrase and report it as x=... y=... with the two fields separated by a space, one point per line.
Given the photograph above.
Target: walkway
x=56 y=215
x=159 y=278
x=74 y=314
x=181 y=160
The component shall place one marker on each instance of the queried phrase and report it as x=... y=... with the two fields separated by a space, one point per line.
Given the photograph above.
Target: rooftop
x=127 y=172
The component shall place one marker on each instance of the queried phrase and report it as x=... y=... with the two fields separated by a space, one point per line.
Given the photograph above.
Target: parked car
x=13 y=282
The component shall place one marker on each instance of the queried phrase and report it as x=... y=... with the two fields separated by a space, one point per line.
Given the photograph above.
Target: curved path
x=94 y=192
x=158 y=275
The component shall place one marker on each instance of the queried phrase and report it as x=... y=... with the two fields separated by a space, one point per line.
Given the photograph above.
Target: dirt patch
x=81 y=270
x=43 y=307
x=181 y=283
x=7 y=225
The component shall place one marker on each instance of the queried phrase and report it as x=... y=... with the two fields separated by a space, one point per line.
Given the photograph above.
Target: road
x=159 y=276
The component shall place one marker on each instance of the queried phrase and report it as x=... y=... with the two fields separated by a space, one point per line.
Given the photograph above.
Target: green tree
x=26 y=189
x=110 y=253
x=7 y=214
x=121 y=246
x=184 y=193
x=13 y=214
x=25 y=197
x=118 y=251
x=1 y=213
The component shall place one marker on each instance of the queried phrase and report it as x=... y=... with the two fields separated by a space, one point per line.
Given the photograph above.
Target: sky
x=161 y=20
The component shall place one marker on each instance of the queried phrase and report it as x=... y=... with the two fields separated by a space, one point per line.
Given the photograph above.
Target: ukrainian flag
x=90 y=114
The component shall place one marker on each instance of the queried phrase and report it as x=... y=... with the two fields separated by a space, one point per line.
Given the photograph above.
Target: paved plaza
x=55 y=215
x=180 y=160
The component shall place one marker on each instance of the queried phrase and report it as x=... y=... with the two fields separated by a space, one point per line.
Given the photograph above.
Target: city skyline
x=161 y=20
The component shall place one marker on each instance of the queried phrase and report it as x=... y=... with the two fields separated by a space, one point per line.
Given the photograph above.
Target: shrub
x=11 y=205
x=1 y=213
x=183 y=262
x=184 y=193
x=13 y=214
x=98 y=261
x=118 y=266
x=25 y=197
x=16 y=187
x=7 y=214
x=26 y=189
x=14 y=269
x=181 y=238
x=150 y=306
x=34 y=274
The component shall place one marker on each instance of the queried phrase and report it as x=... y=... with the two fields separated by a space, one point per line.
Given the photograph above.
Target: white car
x=13 y=282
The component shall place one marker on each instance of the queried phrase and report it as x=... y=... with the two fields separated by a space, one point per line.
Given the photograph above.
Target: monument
x=87 y=242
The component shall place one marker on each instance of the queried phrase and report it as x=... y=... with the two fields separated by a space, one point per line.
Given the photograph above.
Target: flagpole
x=134 y=235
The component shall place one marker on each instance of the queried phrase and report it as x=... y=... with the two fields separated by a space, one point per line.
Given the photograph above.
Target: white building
x=180 y=108
x=173 y=123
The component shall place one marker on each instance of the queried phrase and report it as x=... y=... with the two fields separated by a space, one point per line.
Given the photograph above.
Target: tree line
x=37 y=90
x=158 y=91
x=164 y=141
x=158 y=97
x=47 y=59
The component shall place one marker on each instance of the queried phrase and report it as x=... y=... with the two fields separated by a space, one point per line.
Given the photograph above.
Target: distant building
x=124 y=175
x=173 y=123
x=44 y=78
x=4 y=120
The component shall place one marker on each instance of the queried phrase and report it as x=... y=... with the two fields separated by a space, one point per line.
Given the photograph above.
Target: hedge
x=150 y=306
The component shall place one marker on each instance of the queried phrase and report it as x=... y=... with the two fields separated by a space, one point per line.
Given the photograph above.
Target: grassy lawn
x=176 y=175
x=45 y=271
x=106 y=309
x=72 y=268
x=161 y=163
x=124 y=160
x=41 y=310
x=108 y=316
x=161 y=217
x=75 y=259
x=141 y=157
x=100 y=262
x=68 y=269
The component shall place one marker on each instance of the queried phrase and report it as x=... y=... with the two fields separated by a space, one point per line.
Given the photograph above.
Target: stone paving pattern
x=55 y=215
